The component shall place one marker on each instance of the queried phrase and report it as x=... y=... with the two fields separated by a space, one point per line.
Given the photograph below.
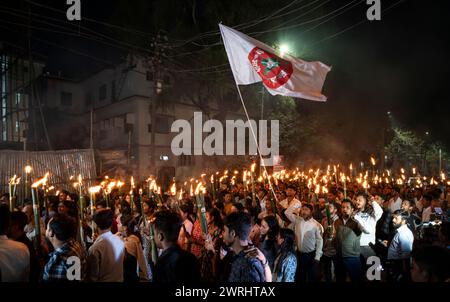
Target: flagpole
x=248 y=119
x=254 y=137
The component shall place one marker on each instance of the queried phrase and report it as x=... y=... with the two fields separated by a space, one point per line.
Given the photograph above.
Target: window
x=102 y=92
x=66 y=99
x=163 y=124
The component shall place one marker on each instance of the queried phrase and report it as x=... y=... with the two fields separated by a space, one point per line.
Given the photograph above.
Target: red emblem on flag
x=273 y=70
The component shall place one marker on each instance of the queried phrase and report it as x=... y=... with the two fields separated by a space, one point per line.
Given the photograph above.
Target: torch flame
x=28 y=169
x=94 y=189
x=41 y=181
x=12 y=180
x=132 y=182
x=372 y=160
x=173 y=190
x=111 y=186
x=252 y=168
x=317 y=190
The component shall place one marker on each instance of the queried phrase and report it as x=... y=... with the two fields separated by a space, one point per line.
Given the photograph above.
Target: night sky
x=399 y=64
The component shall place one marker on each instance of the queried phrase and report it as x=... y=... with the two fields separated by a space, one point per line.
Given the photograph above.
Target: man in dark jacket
x=347 y=241
x=244 y=268
x=174 y=264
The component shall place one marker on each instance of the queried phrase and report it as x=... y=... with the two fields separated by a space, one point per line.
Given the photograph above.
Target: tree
x=406 y=150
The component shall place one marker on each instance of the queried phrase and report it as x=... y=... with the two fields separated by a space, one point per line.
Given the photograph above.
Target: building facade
x=117 y=112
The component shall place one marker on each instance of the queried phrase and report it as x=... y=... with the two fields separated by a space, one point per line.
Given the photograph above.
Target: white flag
x=253 y=61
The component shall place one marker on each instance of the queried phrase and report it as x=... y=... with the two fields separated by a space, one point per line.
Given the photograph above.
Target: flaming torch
x=37 y=210
x=199 y=196
x=92 y=192
x=344 y=183
x=82 y=207
x=27 y=172
x=213 y=187
x=13 y=182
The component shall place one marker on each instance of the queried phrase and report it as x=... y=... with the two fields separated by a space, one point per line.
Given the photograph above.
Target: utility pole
x=91 y=134
x=159 y=44
x=440 y=160
x=30 y=82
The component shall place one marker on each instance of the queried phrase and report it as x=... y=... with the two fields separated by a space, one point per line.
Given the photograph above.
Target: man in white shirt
x=400 y=248
x=14 y=256
x=290 y=200
x=395 y=202
x=402 y=243
x=367 y=215
x=105 y=260
x=426 y=214
x=309 y=242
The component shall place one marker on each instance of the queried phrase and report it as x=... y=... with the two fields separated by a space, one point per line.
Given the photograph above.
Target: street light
x=284 y=48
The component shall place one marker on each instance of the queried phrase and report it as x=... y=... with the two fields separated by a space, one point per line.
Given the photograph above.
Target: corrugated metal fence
x=60 y=164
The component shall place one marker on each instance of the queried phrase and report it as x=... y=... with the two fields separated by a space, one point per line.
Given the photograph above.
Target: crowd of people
x=284 y=233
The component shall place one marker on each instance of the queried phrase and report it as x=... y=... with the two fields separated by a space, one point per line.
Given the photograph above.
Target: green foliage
x=406 y=149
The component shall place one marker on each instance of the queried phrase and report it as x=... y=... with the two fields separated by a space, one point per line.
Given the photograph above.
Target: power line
x=303 y=14
x=68 y=31
x=313 y=20
x=92 y=20
x=238 y=26
x=385 y=12
x=279 y=28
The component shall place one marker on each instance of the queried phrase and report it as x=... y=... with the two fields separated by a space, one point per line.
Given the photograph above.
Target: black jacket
x=177 y=265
